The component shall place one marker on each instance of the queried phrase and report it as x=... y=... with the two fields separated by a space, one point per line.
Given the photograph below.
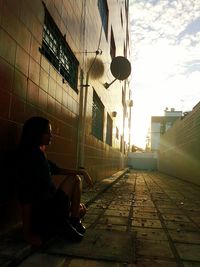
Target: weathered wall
x=179 y=153
x=30 y=85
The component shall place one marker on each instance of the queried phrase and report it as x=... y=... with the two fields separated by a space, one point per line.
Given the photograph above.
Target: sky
x=165 y=40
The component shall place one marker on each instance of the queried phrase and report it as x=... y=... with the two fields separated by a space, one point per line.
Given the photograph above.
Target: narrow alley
x=145 y=219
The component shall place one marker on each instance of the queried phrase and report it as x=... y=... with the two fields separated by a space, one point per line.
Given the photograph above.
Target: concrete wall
x=30 y=85
x=179 y=153
x=142 y=161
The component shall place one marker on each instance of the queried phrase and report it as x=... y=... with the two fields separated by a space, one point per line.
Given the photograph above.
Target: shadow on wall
x=9 y=207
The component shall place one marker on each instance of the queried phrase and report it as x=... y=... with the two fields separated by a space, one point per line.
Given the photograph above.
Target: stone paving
x=148 y=219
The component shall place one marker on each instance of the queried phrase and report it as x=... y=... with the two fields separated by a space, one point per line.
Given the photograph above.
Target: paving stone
x=119 y=207
x=153 y=263
x=174 y=211
x=143 y=203
x=194 y=213
x=98 y=244
x=183 y=226
x=94 y=211
x=188 y=251
x=43 y=260
x=141 y=222
x=145 y=215
x=154 y=249
x=195 y=219
x=110 y=212
x=185 y=237
x=95 y=206
x=176 y=218
x=191 y=264
x=113 y=220
x=163 y=202
x=101 y=202
x=90 y=218
x=165 y=206
x=189 y=206
x=5 y=260
x=12 y=246
x=143 y=198
x=144 y=209
x=92 y=263
x=111 y=227
x=150 y=234
x=121 y=203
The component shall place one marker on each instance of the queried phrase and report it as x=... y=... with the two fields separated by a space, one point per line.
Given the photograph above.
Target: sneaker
x=70 y=232
x=76 y=223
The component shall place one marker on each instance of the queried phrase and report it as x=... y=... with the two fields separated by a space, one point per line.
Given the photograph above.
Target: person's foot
x=76 y=223
x=70 y=232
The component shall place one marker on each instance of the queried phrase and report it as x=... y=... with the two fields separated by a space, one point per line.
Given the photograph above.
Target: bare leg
x=72 y=187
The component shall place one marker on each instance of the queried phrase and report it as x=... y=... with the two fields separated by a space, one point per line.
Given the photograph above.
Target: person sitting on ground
x=47 y=209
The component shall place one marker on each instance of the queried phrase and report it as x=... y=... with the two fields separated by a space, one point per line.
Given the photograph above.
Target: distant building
x=179 y=148
x=160 y=124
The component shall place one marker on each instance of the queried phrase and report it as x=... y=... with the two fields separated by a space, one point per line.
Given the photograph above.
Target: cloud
x=165 y=38
x=169 y=19
x=192 y=66
x=191 y=29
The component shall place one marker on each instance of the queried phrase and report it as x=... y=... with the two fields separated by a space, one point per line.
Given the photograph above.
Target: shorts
x=49 y=216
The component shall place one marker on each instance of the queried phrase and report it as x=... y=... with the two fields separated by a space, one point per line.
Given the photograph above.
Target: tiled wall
x=30 y=85
x=179 y=149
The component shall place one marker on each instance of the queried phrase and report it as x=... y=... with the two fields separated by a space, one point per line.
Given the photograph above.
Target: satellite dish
x=120 y=68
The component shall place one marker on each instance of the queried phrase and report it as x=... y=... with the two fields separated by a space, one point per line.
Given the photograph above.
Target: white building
x=160 y=124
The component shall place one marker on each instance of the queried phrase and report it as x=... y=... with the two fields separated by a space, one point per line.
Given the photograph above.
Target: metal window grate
x=58 y=52
x=97 y=117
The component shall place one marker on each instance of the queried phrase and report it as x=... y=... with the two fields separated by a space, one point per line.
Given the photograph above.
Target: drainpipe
x=83 y=111
x=82 y=120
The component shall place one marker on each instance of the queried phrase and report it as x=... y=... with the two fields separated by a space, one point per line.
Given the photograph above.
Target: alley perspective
x=66 y=122
x=135 y=219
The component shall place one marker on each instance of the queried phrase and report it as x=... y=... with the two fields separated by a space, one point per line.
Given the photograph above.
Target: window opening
x=97 y=117
x=109 y=130
x=58 y=52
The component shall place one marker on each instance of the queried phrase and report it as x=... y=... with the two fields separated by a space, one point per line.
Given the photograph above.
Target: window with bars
x=109 y=130
x=58 y=52
x=104 y=13
x=97 y=117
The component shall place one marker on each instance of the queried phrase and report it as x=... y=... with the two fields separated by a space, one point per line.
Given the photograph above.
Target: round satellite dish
x=120 y=68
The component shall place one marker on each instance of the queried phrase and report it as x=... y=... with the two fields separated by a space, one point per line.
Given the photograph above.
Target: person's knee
x=77 y=179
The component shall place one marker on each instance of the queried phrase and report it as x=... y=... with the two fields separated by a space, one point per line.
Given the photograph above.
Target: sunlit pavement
x=145 y=219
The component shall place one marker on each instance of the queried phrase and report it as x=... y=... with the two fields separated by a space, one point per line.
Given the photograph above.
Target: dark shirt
x=34 y=177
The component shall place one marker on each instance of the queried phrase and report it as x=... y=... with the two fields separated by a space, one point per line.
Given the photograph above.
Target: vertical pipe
x=82 y=122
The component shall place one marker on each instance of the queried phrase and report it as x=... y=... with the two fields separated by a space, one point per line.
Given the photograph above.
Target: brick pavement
x=161 y=213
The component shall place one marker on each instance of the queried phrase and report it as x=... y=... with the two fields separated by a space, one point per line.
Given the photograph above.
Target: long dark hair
x=32 y=132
